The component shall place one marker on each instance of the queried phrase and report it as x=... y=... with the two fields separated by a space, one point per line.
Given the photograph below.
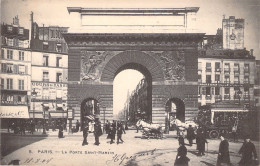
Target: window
x=59 y=77
x=246 y=92
x=217 y=66
x=21 y=69
x=199 y=66
x=246 y=79
x=227 y=79
x=208 y=67
x=208 y=79
x=45 y=76
x=58 y=48
x=21 y=55
x=10 y=98
x=10 y=42
x=227 y=68
x=21 y=85
x=20 y=31
x=199 y=91
x=236 y=79
x=45 y=93
x=9 y=54
x=45 y=61
x=45 y=46
x=52 y=34
x=246 y=68
x=57 y=34
x=21 y=99
x=2 y=54
x=58 y=61
x=2 y=83
x=217 y=90
x=9 y=82
x=227 y=92
x=9 y=28
x=3 y=67
x=199 y=77
x=236 y=67
x=203 y=89
x=208 y=91
x=9 y=68
x=217 y=77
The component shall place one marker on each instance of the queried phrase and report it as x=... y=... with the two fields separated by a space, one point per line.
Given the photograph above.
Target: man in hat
x=201 y=141
x=223 y=153
x=120 y=130
x=97 y=131
x=248 y=151
x=181 y=158
x=190 y=135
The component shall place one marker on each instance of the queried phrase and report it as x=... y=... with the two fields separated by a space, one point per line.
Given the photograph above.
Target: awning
x=229 y=110
x=14 y=112
x=58 y=114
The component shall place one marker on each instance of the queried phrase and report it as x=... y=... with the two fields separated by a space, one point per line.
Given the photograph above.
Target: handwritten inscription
x=37 y=161
x=120 y=159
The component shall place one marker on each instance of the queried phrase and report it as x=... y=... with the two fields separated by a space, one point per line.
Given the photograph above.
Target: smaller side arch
x=180 y=108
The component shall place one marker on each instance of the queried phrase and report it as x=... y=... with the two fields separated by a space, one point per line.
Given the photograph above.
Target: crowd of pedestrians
x=247 y=151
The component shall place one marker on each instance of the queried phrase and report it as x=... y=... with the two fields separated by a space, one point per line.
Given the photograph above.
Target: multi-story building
x=233 y=33
x=15 y=71
x=49 y=72
x=257 y=85
x=226 y=76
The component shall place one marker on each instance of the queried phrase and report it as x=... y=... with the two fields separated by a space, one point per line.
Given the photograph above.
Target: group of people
x=97 y=130
x=248 y=150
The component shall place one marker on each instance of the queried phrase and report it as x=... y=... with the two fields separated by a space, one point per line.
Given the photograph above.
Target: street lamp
x=44 y=131
x=104 y=109
x=239 y=95
x=34 y=94
x=166 y=120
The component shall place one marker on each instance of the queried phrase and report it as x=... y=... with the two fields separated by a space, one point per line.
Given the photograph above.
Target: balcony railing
x=226 y=70
x=236 y=71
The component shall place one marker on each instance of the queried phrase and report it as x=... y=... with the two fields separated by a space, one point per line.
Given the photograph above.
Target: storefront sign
x=14 y=112
x=48 y=84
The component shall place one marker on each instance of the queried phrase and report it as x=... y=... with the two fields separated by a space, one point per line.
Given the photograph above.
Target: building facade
x=15 y=70
x=49 y=72
x=233 y=33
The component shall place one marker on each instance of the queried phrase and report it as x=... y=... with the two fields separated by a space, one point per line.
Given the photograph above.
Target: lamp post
x=44 y=131
x=104 y=109
x=239 y=95
x=166 y=120
x=34 y=94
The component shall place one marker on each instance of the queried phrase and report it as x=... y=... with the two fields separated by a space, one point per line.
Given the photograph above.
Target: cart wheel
x=213 y=134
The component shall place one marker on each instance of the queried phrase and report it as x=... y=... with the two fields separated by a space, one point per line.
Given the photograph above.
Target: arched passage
x=89 y=107
x=176 y=107
x=140 y=100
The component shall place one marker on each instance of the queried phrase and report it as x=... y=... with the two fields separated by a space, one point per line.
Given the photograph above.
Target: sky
x=209 y=19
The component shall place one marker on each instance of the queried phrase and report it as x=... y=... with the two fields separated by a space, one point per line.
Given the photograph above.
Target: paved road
x=135 y=151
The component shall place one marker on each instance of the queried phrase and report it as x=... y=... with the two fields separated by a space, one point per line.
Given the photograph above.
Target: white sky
x=124 y=81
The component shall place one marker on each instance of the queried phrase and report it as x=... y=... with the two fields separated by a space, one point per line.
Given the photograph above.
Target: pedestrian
x=85 y=128
x=32 y=126
x=201 y=141
x=223 y=153
x=97 y=131
x=126 y=127
x=181 y=158
x=77 y=126
x=120 y=130
x=60 y=135
x=107 y=127
x=113 y=132
x=234 y=133
x=249 y=155
x=190 y=135
x=181 y=140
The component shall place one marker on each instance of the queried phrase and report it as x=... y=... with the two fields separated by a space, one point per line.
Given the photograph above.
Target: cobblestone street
x=134 y=151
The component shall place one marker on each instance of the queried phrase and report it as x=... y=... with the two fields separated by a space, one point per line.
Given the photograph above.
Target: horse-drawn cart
x=150 y=130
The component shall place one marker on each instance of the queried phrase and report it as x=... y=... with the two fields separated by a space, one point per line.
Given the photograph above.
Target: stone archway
x=180 y=108
x=89 y=107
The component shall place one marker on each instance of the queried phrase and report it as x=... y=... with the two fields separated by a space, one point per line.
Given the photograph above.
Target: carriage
x=150 y=130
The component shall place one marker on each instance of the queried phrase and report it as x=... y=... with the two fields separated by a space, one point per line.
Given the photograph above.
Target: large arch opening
x=136 y=100
x=175 y=109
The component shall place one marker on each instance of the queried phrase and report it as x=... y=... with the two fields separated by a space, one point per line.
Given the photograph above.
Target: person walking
x=85 y=129
x=113 y=132
x=190 y=135
x=77 y=126
x=60 y=135
x=249 y=155
x=201 y=141
x=97 y=131
x=120 y=130
x=107 y=127
x=234 y=133
x=181 y=158
x=223 y=153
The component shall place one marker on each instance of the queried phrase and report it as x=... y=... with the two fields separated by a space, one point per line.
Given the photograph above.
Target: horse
x=181 y=127
x=150 y=129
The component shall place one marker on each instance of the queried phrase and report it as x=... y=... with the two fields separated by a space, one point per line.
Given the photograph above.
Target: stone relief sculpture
x=173 y=65
x=90 y=64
